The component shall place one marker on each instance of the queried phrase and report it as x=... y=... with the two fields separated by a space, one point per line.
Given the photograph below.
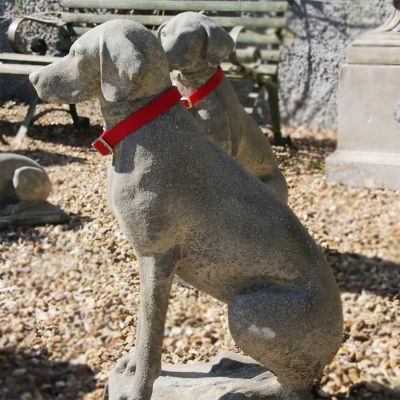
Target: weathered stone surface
x=24 y=184
x=364 y=169
x=229 y=376
x=378 y=47
x=368 y=97
x=319 y=32
x=375 y=48
x=24 y=189
x=368 y=151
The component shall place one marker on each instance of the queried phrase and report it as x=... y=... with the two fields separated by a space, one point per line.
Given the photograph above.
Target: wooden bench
x=256 y=26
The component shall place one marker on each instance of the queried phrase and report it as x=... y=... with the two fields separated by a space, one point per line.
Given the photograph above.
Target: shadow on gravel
x=65 y=134
x=12 y=235
x=46 y=158
x=30 y=374
x=323 y=144
x=305 y=156
x=369 y=390
x=356 y=273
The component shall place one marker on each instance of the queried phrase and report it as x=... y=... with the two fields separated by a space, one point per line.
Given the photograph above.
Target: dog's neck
x=113 y=113
x=187 y=81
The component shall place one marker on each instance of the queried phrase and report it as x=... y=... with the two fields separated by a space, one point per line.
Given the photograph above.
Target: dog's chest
x=140 y=180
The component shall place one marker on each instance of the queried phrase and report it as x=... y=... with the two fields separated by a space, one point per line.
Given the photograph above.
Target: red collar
x=109 y=139
x=204 y=90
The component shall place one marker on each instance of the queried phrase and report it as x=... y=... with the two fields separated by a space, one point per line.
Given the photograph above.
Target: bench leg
x=251 y=100
x=23 y=129
x=273 y=100
x=79 y=122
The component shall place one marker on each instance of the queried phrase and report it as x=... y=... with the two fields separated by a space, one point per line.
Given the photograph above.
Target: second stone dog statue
x=195 y=47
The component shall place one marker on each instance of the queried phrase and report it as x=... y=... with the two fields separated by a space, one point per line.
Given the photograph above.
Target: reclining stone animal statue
x=24 y=184
x=188 y=208
x=195 y=47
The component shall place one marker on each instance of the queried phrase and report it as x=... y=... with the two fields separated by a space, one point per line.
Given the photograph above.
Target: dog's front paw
x=125 y=387
x=127 y=363
x=121 y=385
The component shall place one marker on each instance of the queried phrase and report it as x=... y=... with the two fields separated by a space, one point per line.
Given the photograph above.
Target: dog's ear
x=121 y=65
x=219 y=42
x=160 y=28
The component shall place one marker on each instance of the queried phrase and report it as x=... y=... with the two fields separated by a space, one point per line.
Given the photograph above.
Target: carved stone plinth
x=368 y=152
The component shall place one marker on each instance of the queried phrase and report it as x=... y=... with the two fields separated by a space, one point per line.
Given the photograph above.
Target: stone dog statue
x=24 y=184
x=188 y=208
x=195 y=46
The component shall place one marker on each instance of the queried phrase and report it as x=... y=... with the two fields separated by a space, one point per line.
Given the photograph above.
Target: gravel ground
x=69 y=294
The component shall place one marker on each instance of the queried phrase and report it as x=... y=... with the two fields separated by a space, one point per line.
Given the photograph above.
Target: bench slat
x=226 y=22
x=266 y=69
x=271 y=55
x=258 y=38
x=250 y=38
x=233 y=73
x=170 y=5
x=18 y=69
x=27 y=58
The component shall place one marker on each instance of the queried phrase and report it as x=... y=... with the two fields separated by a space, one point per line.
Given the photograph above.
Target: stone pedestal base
x=45 y=214
x=362 y=169
x=368 y=152
x=229 y=376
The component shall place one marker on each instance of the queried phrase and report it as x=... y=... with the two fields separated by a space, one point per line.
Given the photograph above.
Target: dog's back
x=177 y=187
x=238 y=231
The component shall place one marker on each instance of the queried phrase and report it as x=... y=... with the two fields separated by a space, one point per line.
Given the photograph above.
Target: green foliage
x=9 y=104
x=318 y=165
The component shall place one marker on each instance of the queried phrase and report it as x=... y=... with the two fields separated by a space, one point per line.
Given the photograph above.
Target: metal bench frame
x=256 y=27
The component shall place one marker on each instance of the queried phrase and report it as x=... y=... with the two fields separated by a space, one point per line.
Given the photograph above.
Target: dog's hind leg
x=288 y=331
x=133 y=378
x=277 y=183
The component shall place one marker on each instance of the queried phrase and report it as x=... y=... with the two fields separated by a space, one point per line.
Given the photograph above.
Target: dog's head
x=192 y=41
x=117 y=61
